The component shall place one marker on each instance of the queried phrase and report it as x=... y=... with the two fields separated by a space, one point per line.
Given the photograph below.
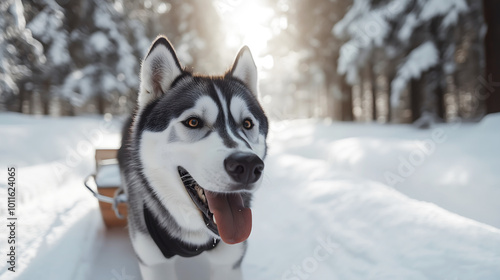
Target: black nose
x=244 y=168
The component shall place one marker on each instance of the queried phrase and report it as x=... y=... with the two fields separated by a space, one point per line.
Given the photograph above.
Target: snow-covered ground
x=339 y=201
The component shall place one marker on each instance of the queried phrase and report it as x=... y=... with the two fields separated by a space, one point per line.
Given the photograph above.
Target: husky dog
x=191 y=157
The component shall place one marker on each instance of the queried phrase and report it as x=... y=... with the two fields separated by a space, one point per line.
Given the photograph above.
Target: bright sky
x=247 y=23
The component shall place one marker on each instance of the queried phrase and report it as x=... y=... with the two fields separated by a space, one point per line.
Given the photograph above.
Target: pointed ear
x=245 y=70
x=159 y=69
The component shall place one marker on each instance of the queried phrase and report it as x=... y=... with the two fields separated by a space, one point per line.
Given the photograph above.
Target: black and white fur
x=157 y=142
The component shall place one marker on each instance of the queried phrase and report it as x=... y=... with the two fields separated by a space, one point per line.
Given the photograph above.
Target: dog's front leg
x=153 y=265
x=225 y=261
x=161 y=271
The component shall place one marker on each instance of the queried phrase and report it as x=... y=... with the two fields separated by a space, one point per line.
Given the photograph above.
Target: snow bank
x=325 y=210
x=452 y=165
x=58 y=220
x=329 y=222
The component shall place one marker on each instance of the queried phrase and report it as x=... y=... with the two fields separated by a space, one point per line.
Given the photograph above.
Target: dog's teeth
x=213 y=218
x=201 y=193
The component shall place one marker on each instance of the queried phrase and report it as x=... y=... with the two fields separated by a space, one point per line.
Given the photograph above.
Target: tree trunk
x=347 y=114
x=69 y=109
x=389 y=105
x=101 y=104
x=46 y=98
x=389 y=74
x=440 y=110
x=22 y=96
x=492 y=50
x=333 y=110
x=415 y=97
x=367 y=93
x=373 y=80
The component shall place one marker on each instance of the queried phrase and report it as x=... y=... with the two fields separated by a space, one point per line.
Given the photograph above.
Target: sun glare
x=247 y=23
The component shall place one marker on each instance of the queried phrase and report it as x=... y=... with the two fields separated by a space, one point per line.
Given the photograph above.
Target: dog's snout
x=244 y=168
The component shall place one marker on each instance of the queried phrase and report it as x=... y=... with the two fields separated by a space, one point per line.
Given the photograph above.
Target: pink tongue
x=234 y=221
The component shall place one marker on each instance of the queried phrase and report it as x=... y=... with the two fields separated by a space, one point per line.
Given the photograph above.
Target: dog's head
x=202 y=141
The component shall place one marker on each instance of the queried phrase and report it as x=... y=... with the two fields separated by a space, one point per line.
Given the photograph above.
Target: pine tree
x=417 y=44
x=105 y=62
x=93 y=48
x=92 y=51
x=21 y=57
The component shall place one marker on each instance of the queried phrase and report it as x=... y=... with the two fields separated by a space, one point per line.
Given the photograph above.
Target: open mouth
x=223 y=213
x=197 y=194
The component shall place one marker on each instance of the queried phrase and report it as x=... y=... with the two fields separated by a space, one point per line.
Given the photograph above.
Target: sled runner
x=108 y=189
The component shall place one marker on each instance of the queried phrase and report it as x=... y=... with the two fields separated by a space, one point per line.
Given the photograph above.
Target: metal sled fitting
x=107 y=188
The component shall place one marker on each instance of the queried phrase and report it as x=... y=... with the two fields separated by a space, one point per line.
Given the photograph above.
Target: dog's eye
x=247 y=124
x=193 y=122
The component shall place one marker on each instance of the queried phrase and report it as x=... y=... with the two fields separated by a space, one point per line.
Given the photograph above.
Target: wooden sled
x=111 y=196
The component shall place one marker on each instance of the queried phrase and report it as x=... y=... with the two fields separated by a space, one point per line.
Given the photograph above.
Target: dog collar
x=169 y=245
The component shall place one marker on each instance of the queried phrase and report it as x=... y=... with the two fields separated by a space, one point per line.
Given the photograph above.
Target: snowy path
x=325 y=211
